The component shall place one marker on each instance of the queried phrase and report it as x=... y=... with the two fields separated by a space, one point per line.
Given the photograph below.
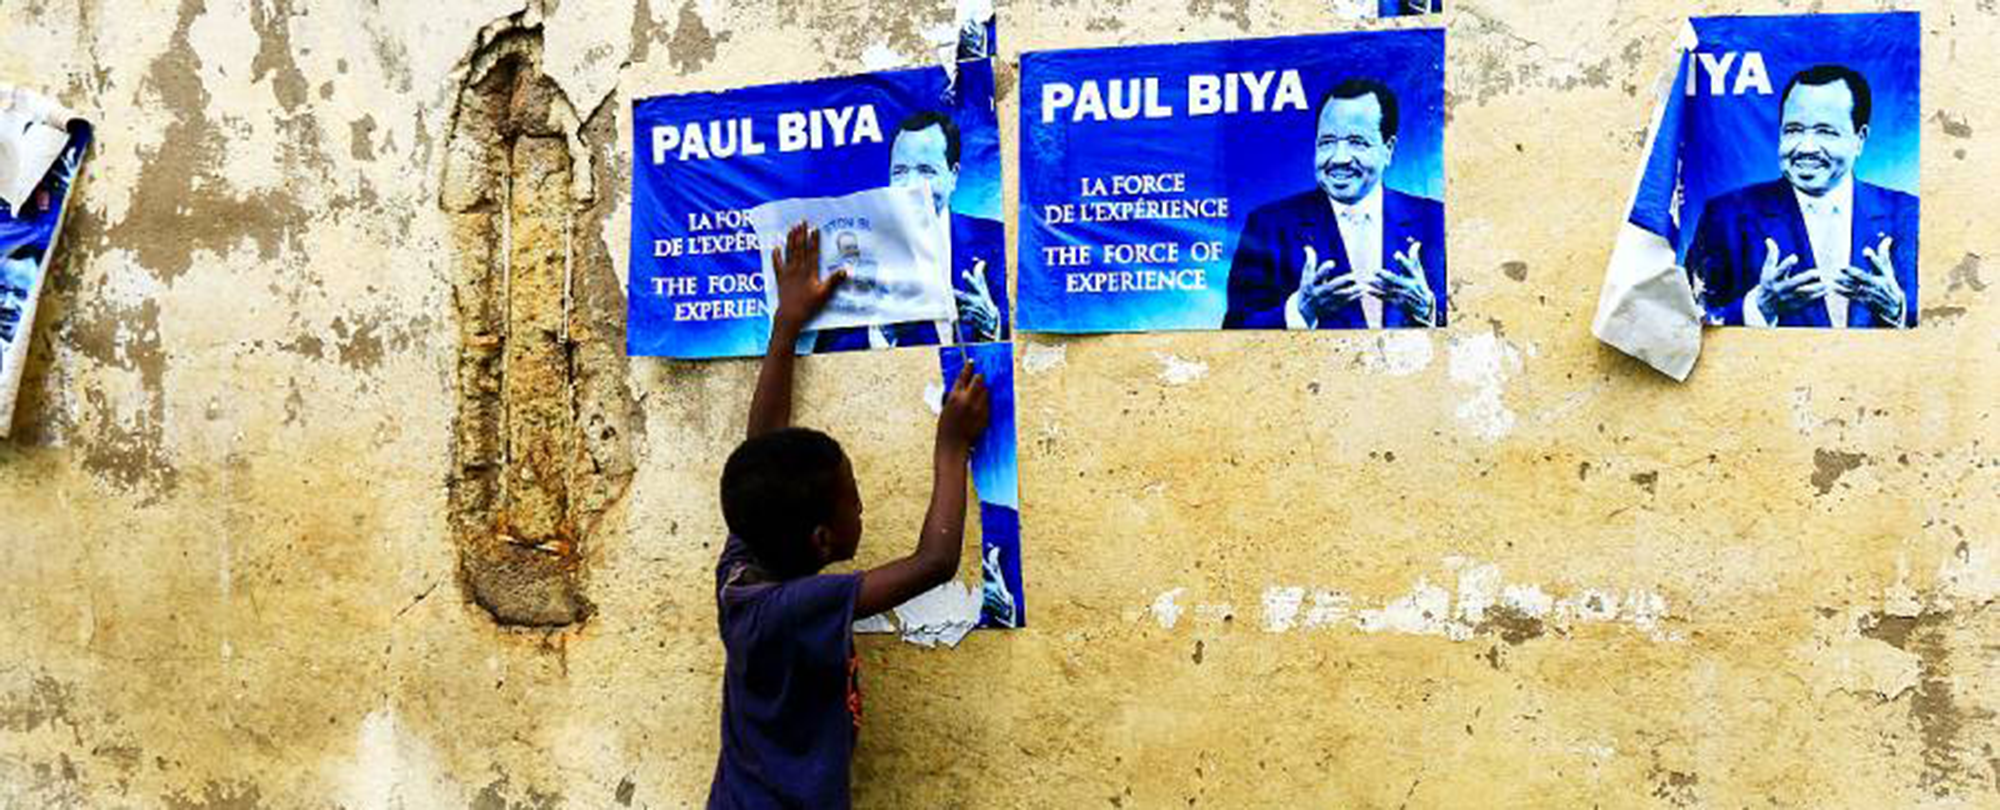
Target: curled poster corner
x=34 y=129
x=1647 y=308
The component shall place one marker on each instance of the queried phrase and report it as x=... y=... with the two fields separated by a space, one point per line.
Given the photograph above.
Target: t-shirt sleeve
x=817 y=612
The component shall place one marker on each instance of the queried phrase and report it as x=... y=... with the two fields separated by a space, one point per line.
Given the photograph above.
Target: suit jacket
x=1727 y=254
x=1270 y=251
x=972 y=240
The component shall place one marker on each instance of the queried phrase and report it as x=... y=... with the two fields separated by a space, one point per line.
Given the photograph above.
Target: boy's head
x=790 y=495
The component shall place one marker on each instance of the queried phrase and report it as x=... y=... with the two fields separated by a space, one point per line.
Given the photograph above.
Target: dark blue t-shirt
x=791 y=703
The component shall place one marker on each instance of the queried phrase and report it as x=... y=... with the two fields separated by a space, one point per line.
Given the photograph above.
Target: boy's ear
x=822 y=544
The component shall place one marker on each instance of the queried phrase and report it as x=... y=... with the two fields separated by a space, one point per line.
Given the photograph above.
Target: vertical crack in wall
x=540 y=449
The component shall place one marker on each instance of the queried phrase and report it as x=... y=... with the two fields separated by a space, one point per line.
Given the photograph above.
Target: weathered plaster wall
x=1495 y=566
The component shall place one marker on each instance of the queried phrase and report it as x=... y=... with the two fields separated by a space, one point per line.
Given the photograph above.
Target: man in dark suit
x=926 y=150
x=1817 y=247
x=1352 y=253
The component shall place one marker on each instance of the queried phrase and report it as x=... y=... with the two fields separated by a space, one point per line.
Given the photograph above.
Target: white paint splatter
x=1400 y=353
x=1484 y=362
x=1424 y=611
x=1434 y=610
x=1329 y=608
x=1165 y=611
x=1281 y=607
x=1176 y=371
x=1039 y=358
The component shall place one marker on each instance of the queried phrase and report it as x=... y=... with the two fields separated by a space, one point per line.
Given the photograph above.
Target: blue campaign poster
x=995 y=478
x=1295 y=182
x=702 y=160
x=1795 y=159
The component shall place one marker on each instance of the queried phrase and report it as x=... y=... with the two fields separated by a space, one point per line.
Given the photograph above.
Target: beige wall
x=1259 y=566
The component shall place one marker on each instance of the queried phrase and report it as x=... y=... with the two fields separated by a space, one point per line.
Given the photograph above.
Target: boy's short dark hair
x=778 y=487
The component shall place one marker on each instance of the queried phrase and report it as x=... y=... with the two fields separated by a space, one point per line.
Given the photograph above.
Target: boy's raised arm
x=801 y=295
x=936 y=559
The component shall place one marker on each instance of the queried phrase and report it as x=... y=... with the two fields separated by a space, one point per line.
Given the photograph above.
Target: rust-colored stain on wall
x=332 y=487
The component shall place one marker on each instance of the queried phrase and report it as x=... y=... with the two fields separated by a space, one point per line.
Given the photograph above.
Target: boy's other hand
x=801 y=292
x=964 y=414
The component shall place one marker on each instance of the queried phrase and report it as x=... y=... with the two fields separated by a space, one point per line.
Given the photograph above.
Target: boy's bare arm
x=936 y=559
x=801 y=295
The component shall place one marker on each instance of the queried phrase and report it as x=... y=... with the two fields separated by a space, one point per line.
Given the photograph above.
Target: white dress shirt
x=1829 y=222
x=1361 y=232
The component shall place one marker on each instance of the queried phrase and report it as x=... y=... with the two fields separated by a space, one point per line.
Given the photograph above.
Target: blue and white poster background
x=707 y=300
x=1731 y=140
x=995 y=478
x=1248 y=157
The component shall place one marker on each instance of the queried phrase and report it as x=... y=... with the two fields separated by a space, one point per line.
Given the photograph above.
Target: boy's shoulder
x=745 y=593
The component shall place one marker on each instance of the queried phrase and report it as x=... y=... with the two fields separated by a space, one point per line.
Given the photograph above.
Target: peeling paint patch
x=1830 y=465
x=1484 y=363
x=1175 y=371
x=1165 y=610
x=1482 y=603
x=1966 y=274
x=1400 y=353
x=1039 y=358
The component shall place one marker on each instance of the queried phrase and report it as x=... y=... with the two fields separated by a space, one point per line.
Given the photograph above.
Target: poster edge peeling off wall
x=70 y=159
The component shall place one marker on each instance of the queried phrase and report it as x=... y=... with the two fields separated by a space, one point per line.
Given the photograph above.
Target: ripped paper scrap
x=891 y=242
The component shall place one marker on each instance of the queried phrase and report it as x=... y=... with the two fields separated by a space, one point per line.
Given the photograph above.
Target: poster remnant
x=42 y=147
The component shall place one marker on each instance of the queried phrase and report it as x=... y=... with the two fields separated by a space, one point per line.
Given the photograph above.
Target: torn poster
x=995 y=477
x=42 y=146
x=889 y=240
x=1288 y=183
x=703 y=160
x=1793 y=141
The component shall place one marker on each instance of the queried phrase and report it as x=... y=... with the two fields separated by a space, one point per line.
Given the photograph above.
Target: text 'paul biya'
x=797 y=131
x=1207 y=94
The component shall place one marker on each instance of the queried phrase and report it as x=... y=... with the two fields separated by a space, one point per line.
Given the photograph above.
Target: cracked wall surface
x=332 y=487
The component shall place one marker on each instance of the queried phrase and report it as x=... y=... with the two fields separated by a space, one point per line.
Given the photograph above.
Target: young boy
x=790 y=701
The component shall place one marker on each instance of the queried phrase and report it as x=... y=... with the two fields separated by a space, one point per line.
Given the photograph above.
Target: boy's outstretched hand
x=801 y=292
x=964 y=414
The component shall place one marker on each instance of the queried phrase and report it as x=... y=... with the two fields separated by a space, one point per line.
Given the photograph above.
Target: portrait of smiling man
x=1816 y=247
x=926 y=150
x=1350 y=253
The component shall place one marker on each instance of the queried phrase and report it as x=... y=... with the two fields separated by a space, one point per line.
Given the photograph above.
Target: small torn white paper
x=890 y=240
x=1647 y=308
x=941 y=615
